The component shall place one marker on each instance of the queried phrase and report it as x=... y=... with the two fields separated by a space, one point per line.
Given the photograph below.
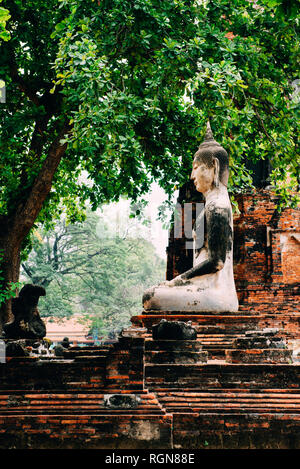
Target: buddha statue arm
x=219 y=240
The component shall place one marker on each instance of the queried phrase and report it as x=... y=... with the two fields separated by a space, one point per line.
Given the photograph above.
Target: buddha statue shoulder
x=209 y=285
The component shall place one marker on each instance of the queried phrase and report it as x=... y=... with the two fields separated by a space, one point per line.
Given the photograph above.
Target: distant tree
x=87 y=270
x=122 y=89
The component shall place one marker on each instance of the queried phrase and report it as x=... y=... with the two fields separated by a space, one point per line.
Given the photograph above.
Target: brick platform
x=60 y=402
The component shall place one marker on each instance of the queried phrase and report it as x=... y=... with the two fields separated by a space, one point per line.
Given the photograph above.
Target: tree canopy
x=136 y=82
x=120 y=90
x=163 y=69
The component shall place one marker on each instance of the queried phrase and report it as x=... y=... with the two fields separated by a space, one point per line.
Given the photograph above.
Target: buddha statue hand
x=178 y=281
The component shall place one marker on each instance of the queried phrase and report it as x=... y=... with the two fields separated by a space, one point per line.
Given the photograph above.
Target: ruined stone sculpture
x=174 y=330
x=27 y=323
x=209 y=284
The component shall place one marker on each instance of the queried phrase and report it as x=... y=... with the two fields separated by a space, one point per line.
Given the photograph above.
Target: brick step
x=218 y=336
x=80 y=411
x=217 y=343
x=239 y=410
x=213 y=409
x=58 y=404
x=172 y=345
x=41 y=394
x=152 y=396
x=71 y=394
x=217 y=340
x=64 y=399
x=155 y=356
x=216 y=346
x=229 y=402
x=92 y=358
x=278 y=393
x=231 y=398
x=90 y=347
x=51 y=403
x=60 y=396
x=195 y=392
x=216 y=374
x=199 y=402
x=80 y=353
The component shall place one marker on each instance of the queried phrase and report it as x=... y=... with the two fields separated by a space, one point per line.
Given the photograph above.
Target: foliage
x=163 y=68
x=90 y=269
x=4 y=17
x=137 y=80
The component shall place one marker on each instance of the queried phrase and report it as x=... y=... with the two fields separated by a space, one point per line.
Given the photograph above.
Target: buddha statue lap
x=209 y=285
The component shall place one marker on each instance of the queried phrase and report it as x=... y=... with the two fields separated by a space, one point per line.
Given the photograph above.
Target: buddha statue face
x=205 y=174
x=210 y=164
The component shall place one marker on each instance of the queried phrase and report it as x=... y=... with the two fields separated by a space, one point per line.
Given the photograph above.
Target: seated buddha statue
x=209 y=284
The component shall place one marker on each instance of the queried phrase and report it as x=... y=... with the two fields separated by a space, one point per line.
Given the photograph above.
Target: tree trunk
x=9 y=264
x=15 y=228
x=10 y=267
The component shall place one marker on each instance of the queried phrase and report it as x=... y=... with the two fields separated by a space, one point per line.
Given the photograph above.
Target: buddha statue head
x=210 y=165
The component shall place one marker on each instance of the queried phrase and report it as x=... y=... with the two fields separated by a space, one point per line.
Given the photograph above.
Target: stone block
x=174 y=330
x=121 y=401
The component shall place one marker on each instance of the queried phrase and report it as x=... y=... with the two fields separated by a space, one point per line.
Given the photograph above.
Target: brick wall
x=266 y=254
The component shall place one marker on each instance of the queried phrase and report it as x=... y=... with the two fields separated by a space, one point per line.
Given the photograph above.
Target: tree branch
x=16 y=78
x=83 y=262
x=27 y=212
x=263 y=126
x=26 y=270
